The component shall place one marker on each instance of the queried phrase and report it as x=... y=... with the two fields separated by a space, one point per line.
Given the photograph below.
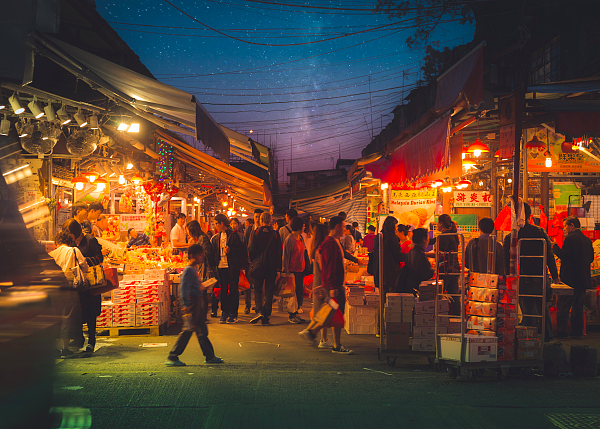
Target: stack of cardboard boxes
x=362 y=305
x=140 y=300
x=507 y=316
x=397 y=314
x=424 y=329
x=528 y=343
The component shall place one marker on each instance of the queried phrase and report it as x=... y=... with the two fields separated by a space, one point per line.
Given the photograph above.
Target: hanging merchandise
x=125 y=202
x=164 y=166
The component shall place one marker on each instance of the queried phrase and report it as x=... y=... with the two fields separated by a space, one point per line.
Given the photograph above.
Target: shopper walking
x=231 y=257
x=532 y=266
x=293 y=262
x=266 y=250
x=576 y=255
x=196 y=235
x=369 y=240
x=91 y=250
x=287 y=228
x=392 y=255
x=331 y=260
x=478 y=249
x=190 y=295
x=347 y=241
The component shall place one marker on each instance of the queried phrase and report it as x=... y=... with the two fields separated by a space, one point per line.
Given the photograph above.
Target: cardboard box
x=506 y=336
x=508 y=297
x=354 y=290
x=425 y=319
x=453 y=326
x=482 y=294
x=355 y=300
x=507 y=322
x=423 y=345
x=476 y=308
x=528 y=343
x=507 y=310
x=528 y=353
x=477 y=348
x=525 y=332
x=361 y=319
x=397 y=335
x=443 y=306
x=506 y=352
x=480 y=323
x=424 y=307
x=483 y=280
x=424 y=332
x=427 y=292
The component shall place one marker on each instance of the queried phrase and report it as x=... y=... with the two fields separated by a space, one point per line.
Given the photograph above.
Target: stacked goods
x=507 y=318
x=372 y=298
x=528 y=343
x=428 y=289
x=398 y=313
x=355 y=295
x=424 y=329
x=477 y=348
x=360 y=319
x=123 y=315
x=105 y=319
x=481 y=306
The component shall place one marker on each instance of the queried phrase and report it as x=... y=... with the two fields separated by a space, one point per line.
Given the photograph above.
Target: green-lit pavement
x=272 y=379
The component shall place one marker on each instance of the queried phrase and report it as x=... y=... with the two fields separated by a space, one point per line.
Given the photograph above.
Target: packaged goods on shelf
x=355 y=300
x=506 y=336
x=475 y=308
x=483 y=280
x=507 y=310
x=482 y=294
x=481 y=323
x=507 y=322
x=477 y=348
x=423 y=345
x=508 y=297
x=506 y=352
x=105 y=318
x=426 y=319
x=427 y=290
x=355 y=290
x=424 y=307
x=372 y=298
x=361 y=319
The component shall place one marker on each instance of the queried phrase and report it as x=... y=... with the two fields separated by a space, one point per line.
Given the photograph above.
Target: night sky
x=313 y=95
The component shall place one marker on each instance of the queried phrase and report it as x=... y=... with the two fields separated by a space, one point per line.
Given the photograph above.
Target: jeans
x=265 y=307
x=299 y=279
x=533 y=306
x=230 y=295
x=248 y=297
x=198 y=317
x=574 y=304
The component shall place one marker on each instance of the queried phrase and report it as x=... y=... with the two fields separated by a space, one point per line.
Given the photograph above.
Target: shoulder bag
x=80 y=282
x=259 y=264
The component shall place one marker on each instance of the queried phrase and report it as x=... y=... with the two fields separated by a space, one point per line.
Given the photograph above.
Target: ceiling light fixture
x=79 y=182
x=123 y=125
x=63 y=115
x=91 y=175
x=35 y=108
x=4 y=126
x=129 y=165
x=2 y=102
x=477 y=148
x=134 y=128
x=50 y=115
x=136 y=180
x=122 y=180
x=101 y=184
x=94 y=122
x=81 y=121
x=15 y=103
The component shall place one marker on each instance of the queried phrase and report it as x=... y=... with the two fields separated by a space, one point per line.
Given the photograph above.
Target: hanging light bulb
x=91 y=175
x=446 y=189
x=548 y=162
x=81 y=121
x=122 y=180
x=134 y=128
x=79 y=182
x=50 y=115
x=4 y=126
x=477 y=148
x=384 y=186
x=101 y=184
x=509 y=180
x=94 y=122
x=136 y=180
x=129 y=165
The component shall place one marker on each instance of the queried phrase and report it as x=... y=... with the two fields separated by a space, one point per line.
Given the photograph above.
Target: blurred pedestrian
x=477 y=250
x=417 y=268
x=369 y=240
x=448 y=264
x=287 y=228
x=190 y=295
x=197 y=235
x=392 y=255
x=347 y=241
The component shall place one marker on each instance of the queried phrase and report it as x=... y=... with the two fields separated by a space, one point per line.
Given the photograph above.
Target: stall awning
x=329 y=200
x=247 y=187
x=424 y=154
x=241 y=147
x=575 y=118
x=462 y=84
x=151 y=98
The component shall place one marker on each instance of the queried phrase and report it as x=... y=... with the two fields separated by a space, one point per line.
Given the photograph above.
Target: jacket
x=237 y=258
x=531 y=266
x=392 y=258
x=332 y=264
x=209 y=253
x=448 y=244
x=476 y=255
x=576 y=255
x=258 y=245
x=416 y=270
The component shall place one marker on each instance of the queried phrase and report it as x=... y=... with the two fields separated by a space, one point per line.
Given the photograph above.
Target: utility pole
x=291 y=154
x=371 y=106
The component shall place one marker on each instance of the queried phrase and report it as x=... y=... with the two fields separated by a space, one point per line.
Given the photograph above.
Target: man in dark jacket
x=265 y=241
x=576 y=256
x=231 y=257
x=477 y=251
x=532 y=266
x=417 y=268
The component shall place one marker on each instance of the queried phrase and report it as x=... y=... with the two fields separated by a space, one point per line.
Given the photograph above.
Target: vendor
x=136 y=239
x=178 y=235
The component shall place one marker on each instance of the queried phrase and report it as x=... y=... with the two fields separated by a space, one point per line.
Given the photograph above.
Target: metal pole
x=381 y=293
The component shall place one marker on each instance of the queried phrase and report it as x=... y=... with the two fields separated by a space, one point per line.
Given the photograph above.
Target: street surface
x=271 y=378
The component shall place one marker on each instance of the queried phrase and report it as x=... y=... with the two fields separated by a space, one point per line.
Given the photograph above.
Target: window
x=545 y=63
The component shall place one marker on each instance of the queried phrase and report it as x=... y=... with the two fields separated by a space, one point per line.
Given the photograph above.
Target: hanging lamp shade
x=101 y=184
x=137 y=180
x=91 y=175
x=535 y=143
x=463 y=183
x=79 y=182
x=477 y=148
x=497 y=154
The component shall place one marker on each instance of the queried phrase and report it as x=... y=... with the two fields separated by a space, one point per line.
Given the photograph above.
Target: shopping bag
x=292 y=304
x=112 y=282
x=285 y=285
x=95 y=276
x=243 y=284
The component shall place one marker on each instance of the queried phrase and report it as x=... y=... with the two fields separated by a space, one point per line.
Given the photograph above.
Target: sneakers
x=265 y=322
x=327 y=344
x=66 y=353
x=214 y=360
x=223 y=318
x=213 y=314
x=307 y=335
x=177 y=362
x=232 y=319
x=256 y=319
x=294 y=320
x=300 y=310
x=342 y=350
x=90 y=348
x=247 y=310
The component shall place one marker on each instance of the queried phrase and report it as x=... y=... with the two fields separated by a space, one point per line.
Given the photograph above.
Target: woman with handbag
x=294 y=262
x=90 y=303
x=70 y=260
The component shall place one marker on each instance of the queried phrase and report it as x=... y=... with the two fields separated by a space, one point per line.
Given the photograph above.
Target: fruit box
x=476 y=348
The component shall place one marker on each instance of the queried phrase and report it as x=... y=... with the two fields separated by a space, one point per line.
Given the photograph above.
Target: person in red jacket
x=332 y=274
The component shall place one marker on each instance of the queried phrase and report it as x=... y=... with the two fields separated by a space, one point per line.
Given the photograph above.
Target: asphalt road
x=272 y=379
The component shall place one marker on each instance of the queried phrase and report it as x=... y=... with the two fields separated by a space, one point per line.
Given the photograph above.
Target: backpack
x=257 y=267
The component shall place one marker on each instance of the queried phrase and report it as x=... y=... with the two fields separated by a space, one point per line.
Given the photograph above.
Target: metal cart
x=473 y=369
x=391 y=355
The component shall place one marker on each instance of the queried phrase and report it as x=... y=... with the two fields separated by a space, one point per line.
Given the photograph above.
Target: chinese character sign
x=413 y=206
x=137 y=221
x=472 y=199
x=564 y=158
